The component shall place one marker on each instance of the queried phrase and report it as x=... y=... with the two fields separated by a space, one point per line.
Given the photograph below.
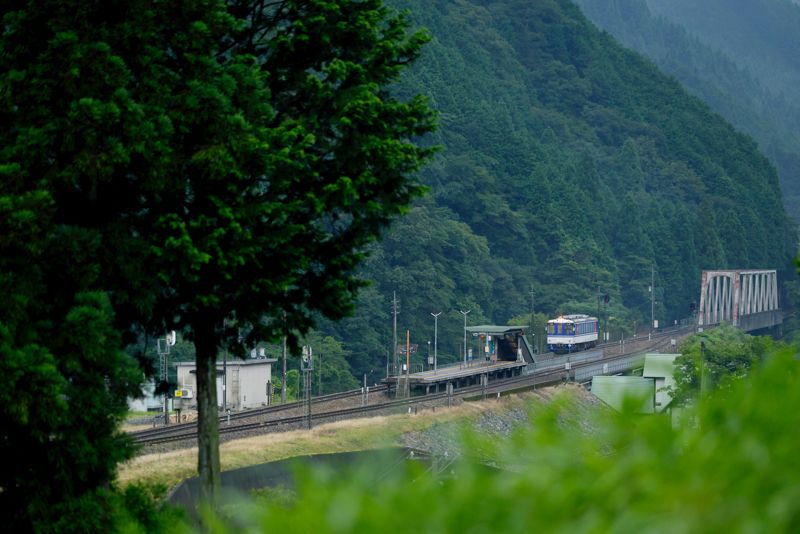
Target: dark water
x=280 y=474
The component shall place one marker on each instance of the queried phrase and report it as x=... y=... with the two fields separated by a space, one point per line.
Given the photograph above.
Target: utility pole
x=652 y=297
x=395 y=361
x=307 y=369
x=599 y=318
x=320 y=375
x=224 y=371
x=465 y=313
x=163 y=345
x=533 y=333
x=435 y=340
x=283 y=375
x=408 y=363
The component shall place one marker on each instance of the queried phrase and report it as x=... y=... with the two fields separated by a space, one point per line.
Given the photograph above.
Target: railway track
x=541 y=377
x=143 y=436
x=545 y=377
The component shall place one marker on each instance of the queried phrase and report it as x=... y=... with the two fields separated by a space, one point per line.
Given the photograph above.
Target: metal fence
x=609 y=368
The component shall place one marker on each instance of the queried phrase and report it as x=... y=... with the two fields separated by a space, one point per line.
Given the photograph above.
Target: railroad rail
x=142 y=435
x=541 y=377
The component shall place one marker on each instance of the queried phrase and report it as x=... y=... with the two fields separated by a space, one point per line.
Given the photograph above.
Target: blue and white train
x=571 y=333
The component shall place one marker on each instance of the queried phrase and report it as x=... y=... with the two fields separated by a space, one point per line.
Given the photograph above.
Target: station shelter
x=503 y=352
x=502 y=343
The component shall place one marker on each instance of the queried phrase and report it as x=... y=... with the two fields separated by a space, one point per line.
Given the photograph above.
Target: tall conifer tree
x=198 y=162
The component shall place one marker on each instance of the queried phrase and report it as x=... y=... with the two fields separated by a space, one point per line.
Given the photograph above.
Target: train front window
x=569 y=328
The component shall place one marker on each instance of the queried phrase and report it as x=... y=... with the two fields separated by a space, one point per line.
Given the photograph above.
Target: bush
x=732 y=465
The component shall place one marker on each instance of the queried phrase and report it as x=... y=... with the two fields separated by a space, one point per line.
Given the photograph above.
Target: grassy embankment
x=170 y=468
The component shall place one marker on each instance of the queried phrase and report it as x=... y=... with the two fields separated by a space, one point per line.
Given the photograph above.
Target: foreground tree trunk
x=207 y=413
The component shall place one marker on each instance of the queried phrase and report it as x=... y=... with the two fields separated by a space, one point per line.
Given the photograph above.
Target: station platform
x=459 y=375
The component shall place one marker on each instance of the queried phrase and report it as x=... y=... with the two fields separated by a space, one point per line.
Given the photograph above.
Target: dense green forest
x=569 y=166
x=742 y=57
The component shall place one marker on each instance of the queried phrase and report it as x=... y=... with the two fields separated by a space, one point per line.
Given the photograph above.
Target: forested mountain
x=760 y=34
x=569 y=166
x=742 y=57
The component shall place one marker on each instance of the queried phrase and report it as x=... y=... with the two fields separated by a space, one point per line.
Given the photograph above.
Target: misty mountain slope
x=742 y=58
x=763 y=35
x=569 y=165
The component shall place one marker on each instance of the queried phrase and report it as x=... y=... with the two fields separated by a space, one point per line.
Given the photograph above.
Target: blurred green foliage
x=716 y=358
x=729 y=466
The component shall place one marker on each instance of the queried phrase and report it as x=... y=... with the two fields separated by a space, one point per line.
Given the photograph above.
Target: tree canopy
x=716 y=359
x=179 y=165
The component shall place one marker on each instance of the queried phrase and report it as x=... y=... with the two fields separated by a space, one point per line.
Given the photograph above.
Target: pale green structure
x=644 y=394
x=616 y=391
x=661 y=368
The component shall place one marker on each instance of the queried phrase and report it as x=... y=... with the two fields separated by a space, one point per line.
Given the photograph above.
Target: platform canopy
x=494 y=329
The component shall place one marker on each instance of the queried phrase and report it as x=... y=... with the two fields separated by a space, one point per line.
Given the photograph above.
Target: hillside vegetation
x=569 y=166
x=742 y=57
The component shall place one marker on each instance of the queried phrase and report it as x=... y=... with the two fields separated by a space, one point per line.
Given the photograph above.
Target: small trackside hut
x=248 y=384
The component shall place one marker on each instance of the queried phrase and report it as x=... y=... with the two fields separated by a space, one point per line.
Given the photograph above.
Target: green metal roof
x=660 y=366
x=614 y=390
x=493 y=329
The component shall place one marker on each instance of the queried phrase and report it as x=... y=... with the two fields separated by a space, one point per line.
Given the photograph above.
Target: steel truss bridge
x=747 y=299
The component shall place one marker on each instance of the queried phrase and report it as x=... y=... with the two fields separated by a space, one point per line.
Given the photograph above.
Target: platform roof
x=614 y=390
x=456 y=371
x=494 y=329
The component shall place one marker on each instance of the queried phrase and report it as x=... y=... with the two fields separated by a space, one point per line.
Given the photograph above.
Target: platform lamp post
x=465 y=313
x=435 y=339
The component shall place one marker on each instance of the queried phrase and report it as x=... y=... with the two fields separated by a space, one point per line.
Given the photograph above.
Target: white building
x=248 y=383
